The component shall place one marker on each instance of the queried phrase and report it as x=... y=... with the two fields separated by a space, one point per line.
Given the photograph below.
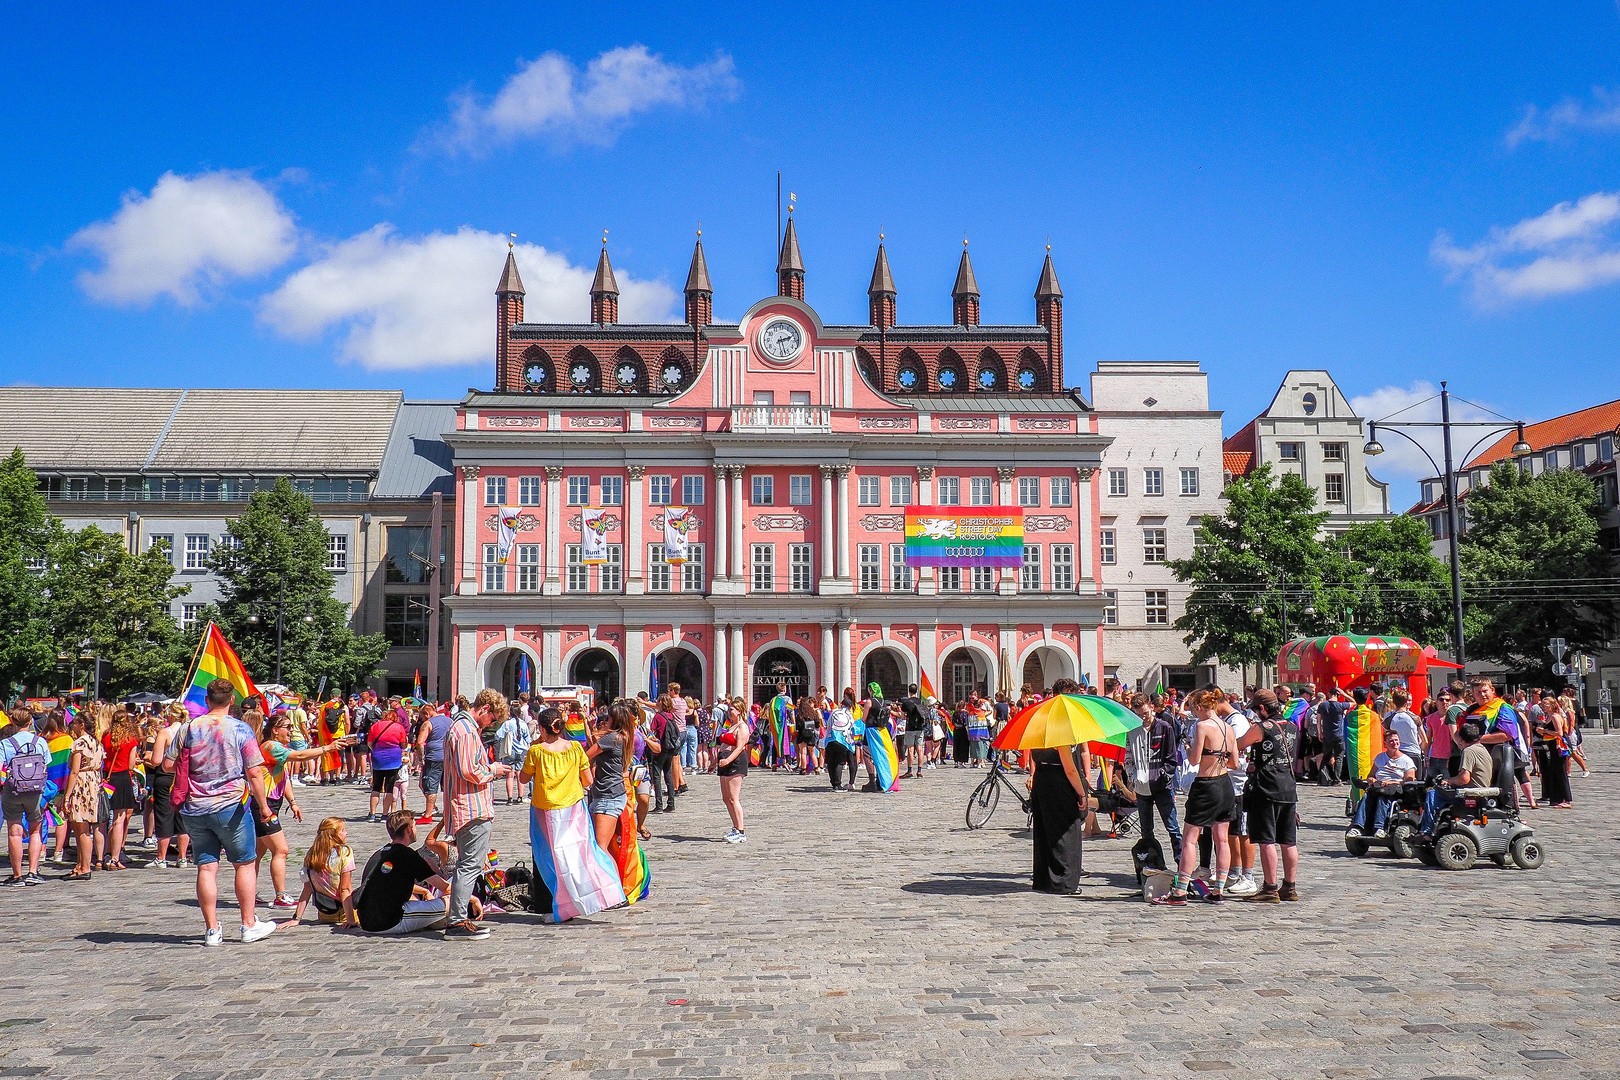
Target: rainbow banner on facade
x=965 y=536
x=216 y=660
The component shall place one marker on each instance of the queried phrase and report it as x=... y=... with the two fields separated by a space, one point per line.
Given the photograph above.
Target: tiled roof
x=66 y=427
x=1241 y=441
x=1597 y=420
x=1236 y=462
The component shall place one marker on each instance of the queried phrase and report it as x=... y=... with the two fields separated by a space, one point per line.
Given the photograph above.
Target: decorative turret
x=604 y=290
x=1049 y=313
x=881 y=292
x=699 y=293
x=965 y=294
x=789 y=264
x=508 y=310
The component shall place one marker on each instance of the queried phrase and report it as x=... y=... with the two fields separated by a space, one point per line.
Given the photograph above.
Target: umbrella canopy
x=1067 y=719
x=147 y=697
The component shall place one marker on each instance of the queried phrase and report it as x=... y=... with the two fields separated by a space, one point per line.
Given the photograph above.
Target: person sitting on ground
x=1476 y=771
x=1393 y=766
x=328 y=875
x=395 y=896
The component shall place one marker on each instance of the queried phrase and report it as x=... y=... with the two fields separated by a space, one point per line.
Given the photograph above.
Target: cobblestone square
x=855 y=935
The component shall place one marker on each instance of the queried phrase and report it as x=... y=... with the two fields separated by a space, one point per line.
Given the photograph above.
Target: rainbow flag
x=965 y=536
x=61 y=759
x=627 y=853
x=574 y=728
x=216 y=660
x=926 y=686
x=1295 y=713
x=880 y=748
x=417 y=691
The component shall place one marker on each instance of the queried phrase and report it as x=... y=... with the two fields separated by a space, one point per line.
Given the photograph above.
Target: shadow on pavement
x=118 y=937
x=688 y=839
x=970 y=885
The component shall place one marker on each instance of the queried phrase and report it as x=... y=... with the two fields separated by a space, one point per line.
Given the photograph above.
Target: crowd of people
x=218 y=785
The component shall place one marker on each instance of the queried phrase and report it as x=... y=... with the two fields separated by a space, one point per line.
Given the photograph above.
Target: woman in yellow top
x=568 y=861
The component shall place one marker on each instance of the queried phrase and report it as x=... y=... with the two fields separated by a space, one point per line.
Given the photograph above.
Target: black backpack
x=1147 y=854
x=809 y=723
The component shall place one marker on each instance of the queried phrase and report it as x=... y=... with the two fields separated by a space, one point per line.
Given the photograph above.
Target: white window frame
x=576 y=574
x=692 y=490
x=1189 y=481
x=1062 y=567
x=1329 y=481
x=494 y=491
x=1107 y=547
x=659 y=577
x=1029 y=575
x=528 y=568
x=801 y=568
x=197 y=545
x=950 y=491
x=1029 y=491
x=981 y=491
x=1156 y=607
x=1111 y=611
x=494 y=570
x=900 y=491
x=1062 y=491
x=191 y=615
x=869 y=559
x=900 y=576
x=610 y=575
x=528 y=491
x=1290 y=451
x=1153 y=482
x=869 y=491
x=801 y=489
x=1334 y=451
x=950 y=579
x=984 y=579
x=337 y=553
x=165 y=540
x=612 y=491
x=579 y=491
x=1155 y=545
x=659 y=489
x=762 y=568
x=1119 y=482
x=692 y=579
x=762 y=489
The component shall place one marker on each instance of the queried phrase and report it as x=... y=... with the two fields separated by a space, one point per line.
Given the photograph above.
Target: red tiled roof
x=1241 y=441
x=1597 y=420
x=1236 y=463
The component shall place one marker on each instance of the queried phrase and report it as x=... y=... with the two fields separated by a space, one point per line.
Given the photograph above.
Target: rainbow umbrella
x=1067 y=719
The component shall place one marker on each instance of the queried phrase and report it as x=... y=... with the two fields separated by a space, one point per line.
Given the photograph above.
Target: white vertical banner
x=593 y=536
x=506 y=534
x=678 y=521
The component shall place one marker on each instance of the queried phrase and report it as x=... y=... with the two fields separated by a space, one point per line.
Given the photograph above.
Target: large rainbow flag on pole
x=216 y=660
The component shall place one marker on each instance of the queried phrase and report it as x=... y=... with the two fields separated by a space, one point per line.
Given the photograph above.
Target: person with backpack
x=1163 y=752
x=806 y=734
x=668 y=732
x=512 y=741
x=25 y=759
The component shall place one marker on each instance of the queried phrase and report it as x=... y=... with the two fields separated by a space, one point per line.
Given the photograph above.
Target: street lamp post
x=281 y=614
x=1519 y=450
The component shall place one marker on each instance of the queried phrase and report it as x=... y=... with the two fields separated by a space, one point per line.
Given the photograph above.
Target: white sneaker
x=214 y=936
x=1243 y=886
x=733 y=837
x=158 y=864
x=261 y=929
x=150 y=843
x=298 y=783
x=1201 y=874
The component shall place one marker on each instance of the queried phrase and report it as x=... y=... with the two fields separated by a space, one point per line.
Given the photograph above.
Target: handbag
x=182 y=770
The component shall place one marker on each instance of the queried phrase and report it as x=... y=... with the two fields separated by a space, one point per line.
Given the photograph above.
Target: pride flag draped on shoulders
x=216 y=660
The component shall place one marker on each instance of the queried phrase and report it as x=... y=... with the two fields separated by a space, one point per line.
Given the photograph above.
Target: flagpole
x=196 y=657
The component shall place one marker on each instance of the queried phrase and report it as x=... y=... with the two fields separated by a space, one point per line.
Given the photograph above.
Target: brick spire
x=790 y=264
x=604 y=290
x=1049 y=313
x=508 y=310
x=699 y=293
x=881 y=292
x=965 y=294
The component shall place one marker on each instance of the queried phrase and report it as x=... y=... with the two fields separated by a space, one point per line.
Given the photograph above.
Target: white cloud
x=1401 y=461
x=190 y=234
x=1546 y=125
x=1568 y=249
x=551 y=97
x=412 y=302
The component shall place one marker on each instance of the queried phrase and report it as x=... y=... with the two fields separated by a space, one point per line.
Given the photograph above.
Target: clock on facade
x=781 y=340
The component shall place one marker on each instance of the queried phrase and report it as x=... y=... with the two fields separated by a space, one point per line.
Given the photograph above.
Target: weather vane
x=511 y=241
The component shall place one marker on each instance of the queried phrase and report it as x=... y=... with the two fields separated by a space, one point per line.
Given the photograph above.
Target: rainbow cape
x=880 y=748
x=780 y=704
x=1295 y=713
x=1363 y=741
x=216 y=660
x=627 y=852
x=61 y=759
x=574 y=728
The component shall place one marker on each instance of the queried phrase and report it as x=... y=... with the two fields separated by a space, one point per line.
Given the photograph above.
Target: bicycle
x=982 y=803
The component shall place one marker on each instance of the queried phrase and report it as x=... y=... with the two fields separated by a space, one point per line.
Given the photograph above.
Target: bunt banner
x=965 y=536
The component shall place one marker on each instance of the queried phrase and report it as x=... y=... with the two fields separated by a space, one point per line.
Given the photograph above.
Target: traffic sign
x=1562 y=669
x=1557 y=648
x=1604 y=696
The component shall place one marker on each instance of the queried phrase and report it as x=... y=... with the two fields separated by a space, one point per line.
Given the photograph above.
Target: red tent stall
x=1346 y=661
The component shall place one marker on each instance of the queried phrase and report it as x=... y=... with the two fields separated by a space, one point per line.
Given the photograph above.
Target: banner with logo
x=506 y=534
x=593 y=537
x=965 y=536
x=678 y=523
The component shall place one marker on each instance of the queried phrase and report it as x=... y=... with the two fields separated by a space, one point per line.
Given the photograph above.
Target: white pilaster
x=739 y=667
x=721 y=539
x=841 y=472
x=928 y=655
x=834 y=688
x=469 y=532
x=927 y=580
x=467 y=680
x=826 y=512
x=717 y=679
x=1085 y=557
x=842 y=665
x=739 y=560
x=1007 y=577
x=551 y=672
x=552 y=585
x=633 y=666
x=634 y=583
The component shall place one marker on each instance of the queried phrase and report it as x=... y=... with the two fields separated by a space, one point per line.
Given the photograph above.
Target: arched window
x=868 y=368
x=953 y=376
x=910 y=375
x=1031 y=371
x=538 y=378
x=629 y=375
x=673 y=373
x=584 y=377
x=991 y=376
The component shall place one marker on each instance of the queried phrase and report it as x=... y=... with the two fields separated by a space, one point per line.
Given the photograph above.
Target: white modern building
x=1310 y=430
x=1161 y=474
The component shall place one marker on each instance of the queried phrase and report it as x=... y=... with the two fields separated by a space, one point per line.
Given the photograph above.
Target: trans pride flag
x=581 y=878
x=216 y=660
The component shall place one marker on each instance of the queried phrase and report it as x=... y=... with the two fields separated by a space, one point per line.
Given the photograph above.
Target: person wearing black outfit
x=1331 y=713
x=916 y=724
x=668 y=733
x=1271 y=797
x=1163 y=739
x=1058 y=818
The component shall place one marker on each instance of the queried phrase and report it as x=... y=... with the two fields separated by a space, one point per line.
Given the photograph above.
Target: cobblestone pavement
x=856 y=935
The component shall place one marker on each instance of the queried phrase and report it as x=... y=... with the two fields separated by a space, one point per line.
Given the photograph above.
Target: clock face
x=781 y=340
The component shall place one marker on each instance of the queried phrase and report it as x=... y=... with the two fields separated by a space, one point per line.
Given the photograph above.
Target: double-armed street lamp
x=280 y=608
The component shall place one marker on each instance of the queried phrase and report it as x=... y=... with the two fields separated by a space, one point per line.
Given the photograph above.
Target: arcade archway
x=780 y=666
x=598 y=669
x=962 y=671
x=511 y=671
x=884 y=667
x=680 y=666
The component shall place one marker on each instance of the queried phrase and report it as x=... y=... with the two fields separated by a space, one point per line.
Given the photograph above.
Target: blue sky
x=1399 y=194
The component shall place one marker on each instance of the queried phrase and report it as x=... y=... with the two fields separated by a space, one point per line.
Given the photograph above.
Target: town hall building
x=790 y=450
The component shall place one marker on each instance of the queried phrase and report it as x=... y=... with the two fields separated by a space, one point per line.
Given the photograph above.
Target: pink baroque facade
x=797 y=447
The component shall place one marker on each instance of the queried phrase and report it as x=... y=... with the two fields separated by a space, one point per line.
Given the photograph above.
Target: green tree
x=119 y=606
x=1244 y=565
x=278 y=557
x=27 y=655
x=1529 y=556
x=1381 y=577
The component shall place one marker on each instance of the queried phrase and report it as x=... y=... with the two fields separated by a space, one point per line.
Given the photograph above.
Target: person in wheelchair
x=1474 y=772
x=1390 y=767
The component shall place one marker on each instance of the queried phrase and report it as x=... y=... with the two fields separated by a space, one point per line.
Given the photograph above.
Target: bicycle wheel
x=982 y=803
